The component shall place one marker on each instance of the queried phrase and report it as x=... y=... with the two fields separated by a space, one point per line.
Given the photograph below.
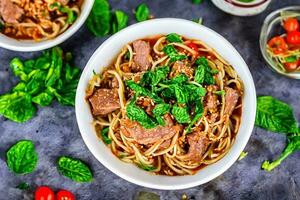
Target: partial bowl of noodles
x=166 y=104
x=38 y=25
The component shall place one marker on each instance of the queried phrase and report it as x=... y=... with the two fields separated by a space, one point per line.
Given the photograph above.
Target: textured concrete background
x=54 y=130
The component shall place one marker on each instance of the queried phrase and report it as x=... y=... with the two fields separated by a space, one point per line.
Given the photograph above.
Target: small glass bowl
x=272 y=27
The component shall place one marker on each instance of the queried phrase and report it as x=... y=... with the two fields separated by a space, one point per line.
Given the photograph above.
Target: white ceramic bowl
x=31 y=45
x=105 y=54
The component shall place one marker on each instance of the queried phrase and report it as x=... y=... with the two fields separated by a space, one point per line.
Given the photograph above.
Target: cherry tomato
x=291 y=24
x=64 y=195
x=44 y=193
x=278 y=45
x=291 y=66
x=293 y=38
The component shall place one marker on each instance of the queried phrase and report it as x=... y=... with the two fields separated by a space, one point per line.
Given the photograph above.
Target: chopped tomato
x=64 y=195
x=193 y=46
x=293 y=38
x=291 y=24
x=44 y=193
x=278 y=45
x=291 y=66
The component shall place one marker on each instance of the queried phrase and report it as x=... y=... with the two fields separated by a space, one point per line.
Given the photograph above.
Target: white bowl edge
x=103 y=57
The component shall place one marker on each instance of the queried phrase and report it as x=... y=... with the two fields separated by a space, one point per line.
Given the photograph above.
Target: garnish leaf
x=120 y=20
x=74 y=169
x=142 y=12
x=275 y=116
x=22 y=158
x=174 y=37
x=104 y=135
x=181 y=114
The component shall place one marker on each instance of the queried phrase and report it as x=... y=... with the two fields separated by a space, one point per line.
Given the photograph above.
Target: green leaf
x=220 y=92
x=120 y=20
x=43 y=99
x=17 y=106
x=204 y=74
x=161 y=109
x=55 y=69
x=135 y=113
x=143 y=91
x=142 y=12
x=146 y=167
x=74 y=169
x=181 y=114
x=23 y=186
x=152 y=78
x=104 y=135
x=99 y=20
x=22 y=158
x=170 y=51
x=275 y=115
x=290 y=59
x=195 y=92
x=18 y=69
x=293 y=145
x=173 y=37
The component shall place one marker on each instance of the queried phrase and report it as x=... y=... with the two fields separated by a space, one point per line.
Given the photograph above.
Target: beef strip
x=211 y=99
x=198 y=144
x=10 y=12
x=148 y=136
x=231 y=99
x=104 y=101
x=142 y=57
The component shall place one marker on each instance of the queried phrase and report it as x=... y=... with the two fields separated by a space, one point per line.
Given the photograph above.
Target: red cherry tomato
x=293 y=38
x=64 y=195
x=291 y=24
x=278 y=45
x=44 y=193
x=291 y=66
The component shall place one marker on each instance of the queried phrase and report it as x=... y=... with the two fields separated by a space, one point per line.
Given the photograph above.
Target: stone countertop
x=55 y=132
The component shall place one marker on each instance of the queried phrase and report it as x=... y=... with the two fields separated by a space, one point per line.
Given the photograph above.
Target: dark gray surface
x=54 y=130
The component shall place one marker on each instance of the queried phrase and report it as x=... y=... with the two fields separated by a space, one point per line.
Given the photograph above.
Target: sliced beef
x=211 y=99
x=10 y=12
x=198 y=144
x=181 y=67
x=142 y=57
x=148 y=136
x=104 y=101
x=231 y=99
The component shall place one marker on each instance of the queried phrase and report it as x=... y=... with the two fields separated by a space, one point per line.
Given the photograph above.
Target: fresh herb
x=23 y=186
x=104 y=135
x=293 y=145
x=143 y=91
x=170 y=51
x=135 y=113
x=120 y=20
x=152 y=78
x=146 y=167
x=220 y=92
x=173 y=37
x=181 y=114
x=159 y=111
x=65 y=9
x=41 y=80
x=277 y=116
x=99 y=20
x=74 y=169
x=243 y=155
x=197 y=1
x=203 y=72
x=142 y=12
x=290 y=59
x=22 y=158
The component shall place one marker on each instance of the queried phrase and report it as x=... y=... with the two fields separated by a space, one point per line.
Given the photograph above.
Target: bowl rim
x=31 y=45
x=249 y=123
x=263 y=37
